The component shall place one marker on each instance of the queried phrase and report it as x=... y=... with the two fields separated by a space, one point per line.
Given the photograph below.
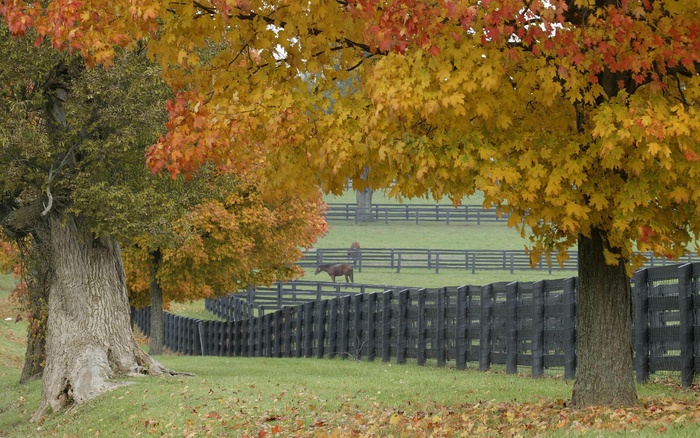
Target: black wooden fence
x=436 y=259
x=417 y=213
x=513 y=324
x=527 y=326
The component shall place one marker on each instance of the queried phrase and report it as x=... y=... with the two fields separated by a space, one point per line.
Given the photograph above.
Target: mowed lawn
x=261 y=397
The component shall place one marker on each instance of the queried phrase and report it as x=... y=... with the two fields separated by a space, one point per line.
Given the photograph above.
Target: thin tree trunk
x=604 y=373
x=89 y=340
x=157 y=329
x=35 y=355
x=363 y=211
x=37 y=279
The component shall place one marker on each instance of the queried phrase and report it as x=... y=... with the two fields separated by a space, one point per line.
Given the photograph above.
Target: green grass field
x=249 y=397
x=259 y=397
x=432 y=236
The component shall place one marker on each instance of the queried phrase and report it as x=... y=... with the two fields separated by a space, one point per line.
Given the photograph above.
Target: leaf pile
x=304 y=415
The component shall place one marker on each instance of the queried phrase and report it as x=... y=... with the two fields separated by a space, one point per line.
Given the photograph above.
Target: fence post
x=687 y=319
x=640 y=295
x=308 y=328
x=320 y=315
x=512 y=268
x=386 y=325
x=402 y=327
x=485 y=326
x=268 y=326
x=371 y=326
x=512 y=327
x=422 y=326
x=332 y=327
x=569 y=298
x=202 y=339
x=357 y=325
x=277 y=332
x=460 y=330
x=344 y=323
x=298 y=331
x=538 y=329
x=280 y=292
x=440 y=332
x=287 y=332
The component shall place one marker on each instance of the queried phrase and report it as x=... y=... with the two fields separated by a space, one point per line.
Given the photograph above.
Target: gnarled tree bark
x=89 y=338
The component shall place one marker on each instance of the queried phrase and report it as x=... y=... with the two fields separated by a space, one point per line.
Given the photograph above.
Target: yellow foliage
x=591 y=126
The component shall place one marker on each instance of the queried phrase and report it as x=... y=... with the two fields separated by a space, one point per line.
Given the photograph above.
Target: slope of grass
x=311 y=397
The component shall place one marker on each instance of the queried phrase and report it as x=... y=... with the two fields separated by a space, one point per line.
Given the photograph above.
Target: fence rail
x=436 y=259
x=416 y=213
x=515 y=324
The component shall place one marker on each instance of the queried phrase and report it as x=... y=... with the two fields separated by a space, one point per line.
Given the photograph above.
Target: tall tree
x=577 y=117
x=232 y=238
x=72 y=153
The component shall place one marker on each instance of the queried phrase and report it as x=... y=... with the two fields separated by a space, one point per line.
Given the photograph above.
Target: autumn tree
x=72 y=155
x=576 y=117
x=232 y=238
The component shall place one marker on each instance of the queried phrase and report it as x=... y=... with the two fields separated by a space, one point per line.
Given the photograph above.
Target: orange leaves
x=220 y=246
x=541 y=416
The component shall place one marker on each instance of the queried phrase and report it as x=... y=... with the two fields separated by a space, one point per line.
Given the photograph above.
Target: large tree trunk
x=363 y=210
x=604 y=373
x=157 y=326
x=89 y=339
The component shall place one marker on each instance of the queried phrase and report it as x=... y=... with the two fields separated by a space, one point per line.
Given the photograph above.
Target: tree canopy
x=577 y=117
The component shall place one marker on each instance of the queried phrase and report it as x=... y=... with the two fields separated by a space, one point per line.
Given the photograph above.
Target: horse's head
x=318 y=269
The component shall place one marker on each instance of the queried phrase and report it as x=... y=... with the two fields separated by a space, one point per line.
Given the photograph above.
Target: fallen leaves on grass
x=308 y=417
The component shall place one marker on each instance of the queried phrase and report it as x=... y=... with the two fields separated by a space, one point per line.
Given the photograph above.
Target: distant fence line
x=515 y=324
x=436 y=259
x=416 y=213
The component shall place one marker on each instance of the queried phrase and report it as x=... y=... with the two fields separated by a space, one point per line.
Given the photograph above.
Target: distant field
x=424 y=235
x=432 y=235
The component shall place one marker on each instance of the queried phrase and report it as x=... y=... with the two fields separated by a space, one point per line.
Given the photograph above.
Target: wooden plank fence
x=473 y=214
x=520 y=324
x=436 y=259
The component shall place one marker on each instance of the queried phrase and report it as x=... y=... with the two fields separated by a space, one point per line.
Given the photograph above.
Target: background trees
x=576 y=117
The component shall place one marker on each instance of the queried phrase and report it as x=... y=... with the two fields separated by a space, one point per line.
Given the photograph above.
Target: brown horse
x=354 y=249
x=336 y=270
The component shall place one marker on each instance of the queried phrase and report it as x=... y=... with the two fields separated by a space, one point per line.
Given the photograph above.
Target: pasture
x=258 y=397
x=427 y=235
x=250 y=397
